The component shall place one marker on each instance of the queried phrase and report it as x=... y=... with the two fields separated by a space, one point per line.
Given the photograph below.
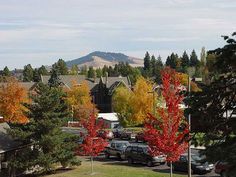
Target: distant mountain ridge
x=99 y=59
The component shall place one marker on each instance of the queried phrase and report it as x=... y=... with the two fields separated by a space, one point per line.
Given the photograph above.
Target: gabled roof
x=111 y=80
x=6 y=142
x=65 y=79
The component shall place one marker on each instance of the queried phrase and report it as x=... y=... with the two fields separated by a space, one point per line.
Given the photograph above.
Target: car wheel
x=223 y=174
x=149 y=163
x=107 y=156
x=119 y=156
x=130 y=160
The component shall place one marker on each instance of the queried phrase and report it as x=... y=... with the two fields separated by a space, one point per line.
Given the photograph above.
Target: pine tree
x=6 y=72
x=172 y=61
x=42 y=71
x=28 y=73
x=147 y=62
x=49 y=145
x=153 y=65
x=184 y=62
x=159 y=66
x=194 y=62
x=60 y=65
x=36 y=77
x=54 y=80
x=91 y=72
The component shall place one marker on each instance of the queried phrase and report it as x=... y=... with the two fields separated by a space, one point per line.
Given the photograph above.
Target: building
x=102 y=89
x=110 y=119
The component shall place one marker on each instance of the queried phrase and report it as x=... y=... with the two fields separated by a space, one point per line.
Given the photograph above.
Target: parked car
x=140 y=153
x=198 y=165
x=222 y=168
x=116 y=148
x=105 y=134
x=128 y=135
x=117 y=130
x=139 y=137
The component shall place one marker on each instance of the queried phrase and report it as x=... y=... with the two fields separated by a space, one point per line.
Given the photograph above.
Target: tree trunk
x=171 y=175
x=91 y=157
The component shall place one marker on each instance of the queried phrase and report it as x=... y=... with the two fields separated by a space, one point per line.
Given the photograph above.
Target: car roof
x=117 y=141
x=138 y=145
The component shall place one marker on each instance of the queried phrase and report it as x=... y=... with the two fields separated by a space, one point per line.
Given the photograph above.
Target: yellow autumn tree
x=141 y=100
x=121 y=105
x=80 y=100
x=12 y=97
x=184 y=81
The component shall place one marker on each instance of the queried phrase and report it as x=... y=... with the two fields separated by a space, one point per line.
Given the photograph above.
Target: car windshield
x=122 y=145
x=195 y=158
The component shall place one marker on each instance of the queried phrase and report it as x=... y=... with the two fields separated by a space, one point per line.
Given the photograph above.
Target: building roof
x=110 y=80
x=65 y=79
x=108 y=116
x=7 y=143
x=26 y=85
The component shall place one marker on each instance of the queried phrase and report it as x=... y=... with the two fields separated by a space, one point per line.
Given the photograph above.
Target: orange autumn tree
x=80 y=100
x=183 y=78
x=12 y=97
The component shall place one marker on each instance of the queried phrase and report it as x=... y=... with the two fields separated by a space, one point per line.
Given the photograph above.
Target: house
x=110 y=119
x=102 y=89
x=8 y=150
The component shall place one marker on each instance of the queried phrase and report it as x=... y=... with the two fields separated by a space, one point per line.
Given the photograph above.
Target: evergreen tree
x=91 y=72
x=172 y=61
x=43 y=71
x=74 y=70
x=159 y=66
x=60 y=65
x=49 y=145
x=99 y=72
x=147 y=62
x=6 y=72
x=194 y=62
x=36 y=77
x=54 y=80
x=185 y=62
x=28 y=73
x=153 y=65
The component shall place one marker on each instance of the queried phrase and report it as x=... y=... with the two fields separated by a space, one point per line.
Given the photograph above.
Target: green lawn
x=102 y=169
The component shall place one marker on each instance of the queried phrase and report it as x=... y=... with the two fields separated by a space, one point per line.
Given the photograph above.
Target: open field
x=102 y=169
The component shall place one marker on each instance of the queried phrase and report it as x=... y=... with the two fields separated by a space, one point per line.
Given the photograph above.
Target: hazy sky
x=42 y=31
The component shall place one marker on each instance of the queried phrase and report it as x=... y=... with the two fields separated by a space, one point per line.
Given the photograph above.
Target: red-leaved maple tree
x=92 y=144
x=167 y=134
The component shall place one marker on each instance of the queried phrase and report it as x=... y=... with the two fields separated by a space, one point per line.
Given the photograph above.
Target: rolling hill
x=99 y=59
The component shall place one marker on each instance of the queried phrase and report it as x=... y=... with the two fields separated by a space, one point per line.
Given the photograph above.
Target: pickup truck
x=117 y=149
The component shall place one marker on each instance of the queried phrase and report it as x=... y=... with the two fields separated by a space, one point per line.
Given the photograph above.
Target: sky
x=40 y=32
